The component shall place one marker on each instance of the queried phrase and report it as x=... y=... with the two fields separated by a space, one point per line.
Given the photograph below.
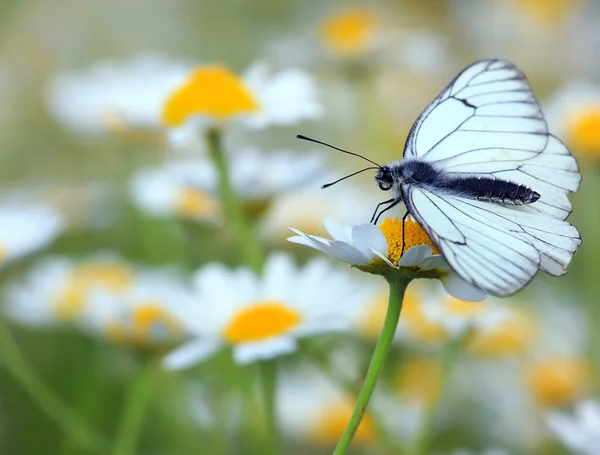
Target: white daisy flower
x=25 y=229
x=172 y=189
x=57 y=289
x=573 y=113
x=580 y=432
x=156 y=92
x=377 y=249
x=189 y=187
x=261 y=317
x=115 y=95
x=148 y=314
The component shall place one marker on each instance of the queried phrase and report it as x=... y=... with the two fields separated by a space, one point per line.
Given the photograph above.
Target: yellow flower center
x=149 y=323
x=70 y=302
x=211 y=91
x=510 y=337
x=419 y=380
x=330 y=423
x=559 y=380
x=260 y=321
x=193 y=202
x=585 y=131
x=413 y=235
x=350 y=32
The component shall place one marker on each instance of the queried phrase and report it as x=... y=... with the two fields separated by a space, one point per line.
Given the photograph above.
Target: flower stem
x=134 y=409
x=420 y=443
x=268 y=379
x=67 y=419
x=397 y=289
x=245 y=236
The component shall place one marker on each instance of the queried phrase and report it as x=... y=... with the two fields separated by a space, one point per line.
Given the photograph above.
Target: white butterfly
x=486 y=180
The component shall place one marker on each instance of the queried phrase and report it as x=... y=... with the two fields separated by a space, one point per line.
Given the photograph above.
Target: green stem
x=420 y=443
x=134 y=410
x=242 y=229
x=268 y=378
x=68 y=420
x=397 y=289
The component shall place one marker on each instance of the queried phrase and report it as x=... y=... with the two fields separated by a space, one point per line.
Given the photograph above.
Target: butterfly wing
x=488 y=123
x=493 y=247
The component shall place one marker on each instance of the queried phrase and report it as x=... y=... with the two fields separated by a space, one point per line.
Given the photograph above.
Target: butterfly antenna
x=327 y=185
x=305 y=138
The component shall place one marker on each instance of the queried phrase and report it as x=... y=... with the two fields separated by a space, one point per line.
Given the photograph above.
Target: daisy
x=58 y=289
x=378 y=250
x=574 y=114
x=580 y=432
x=148 y=314
x=189 y=187
x=25 y=229
x=262 y=317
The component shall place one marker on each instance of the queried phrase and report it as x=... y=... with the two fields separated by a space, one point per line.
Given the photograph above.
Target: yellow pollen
x=558 y=381
x=193 y=202
x=212 y=91
x=147 y=317
x=413 y=235
x=350 y=32
x=584 y=130
x=511 y=337
x=260 y=321
x=464 y=308
x=329 y=425
x=419 y=380
x=547 y=12
x=109 y=276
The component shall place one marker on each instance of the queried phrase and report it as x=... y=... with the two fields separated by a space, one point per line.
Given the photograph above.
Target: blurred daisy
x=378 y=250
x=155 y=92
x=25 y=229
x=261 y=317
x=58 y=289
x=580 y=432
x=212 y=96
x=149 y=314
x=573 y=112
x=493 y=451
x=189 y=188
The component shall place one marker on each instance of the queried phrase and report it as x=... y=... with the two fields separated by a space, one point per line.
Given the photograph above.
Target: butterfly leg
x=379 y=205
x=403 y=243
x=394 y=203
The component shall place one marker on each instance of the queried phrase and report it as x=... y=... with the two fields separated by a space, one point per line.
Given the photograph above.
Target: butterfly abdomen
x=491 y=190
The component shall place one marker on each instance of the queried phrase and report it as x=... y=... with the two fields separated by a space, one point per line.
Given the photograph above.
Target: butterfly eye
x=385 y=186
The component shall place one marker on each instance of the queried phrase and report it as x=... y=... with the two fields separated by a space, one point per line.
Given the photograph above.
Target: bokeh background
x=108 y=212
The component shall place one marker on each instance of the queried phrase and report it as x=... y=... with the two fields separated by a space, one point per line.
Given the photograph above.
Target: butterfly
x=486 y=181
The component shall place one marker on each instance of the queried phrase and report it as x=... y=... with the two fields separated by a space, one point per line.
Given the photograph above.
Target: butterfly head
x=385 y=178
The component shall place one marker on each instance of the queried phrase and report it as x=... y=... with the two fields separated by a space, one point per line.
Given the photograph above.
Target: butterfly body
x=428 y=176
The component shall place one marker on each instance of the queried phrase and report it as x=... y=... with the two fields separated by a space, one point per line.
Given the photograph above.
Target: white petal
x=457 y=287
x=383 y=258
x=436 y=261
x=367 y=237
x=415 y=255
x=191 y=353
x=263 y=350
x=336 y=230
